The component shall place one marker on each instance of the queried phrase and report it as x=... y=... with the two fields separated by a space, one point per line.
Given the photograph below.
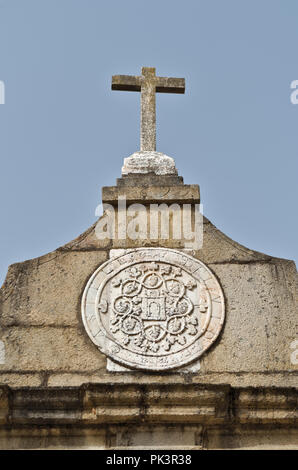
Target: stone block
x=50 y=349
x=47 y=290
x=260 y=319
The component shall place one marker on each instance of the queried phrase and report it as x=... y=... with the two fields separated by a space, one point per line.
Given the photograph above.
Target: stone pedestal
x=149 y=162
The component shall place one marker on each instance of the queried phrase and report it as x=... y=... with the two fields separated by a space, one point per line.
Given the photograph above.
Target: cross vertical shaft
x=148 y=110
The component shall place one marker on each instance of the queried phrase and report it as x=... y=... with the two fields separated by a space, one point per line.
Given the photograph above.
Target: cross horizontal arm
x=126 y=83
x=170 y=85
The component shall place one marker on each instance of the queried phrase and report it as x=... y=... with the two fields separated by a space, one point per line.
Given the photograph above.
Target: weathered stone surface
x=149 y=162
x=46 y=290
x=2 y=352
x=156 y=404
x=22 y=379
x=194 y=366
x=260 y=319
x=183 y=194
x=49 y=349
x=135 y=416
x=177 y=437
x=240 y=379
x=4 y=404
x=149 y=180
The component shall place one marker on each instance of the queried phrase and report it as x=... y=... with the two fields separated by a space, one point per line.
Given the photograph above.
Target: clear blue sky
x=64 y=133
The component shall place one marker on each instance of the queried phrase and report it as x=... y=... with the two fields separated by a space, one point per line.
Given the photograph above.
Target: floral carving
x=103 y=306
x=152 y=310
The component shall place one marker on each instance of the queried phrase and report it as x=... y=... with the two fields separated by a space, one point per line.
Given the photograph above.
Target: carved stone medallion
x=153 y=308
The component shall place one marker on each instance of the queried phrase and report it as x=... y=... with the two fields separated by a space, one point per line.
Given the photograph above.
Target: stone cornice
x=215 y=405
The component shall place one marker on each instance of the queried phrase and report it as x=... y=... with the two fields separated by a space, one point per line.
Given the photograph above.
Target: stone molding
x=115 y=403
x=182 y=194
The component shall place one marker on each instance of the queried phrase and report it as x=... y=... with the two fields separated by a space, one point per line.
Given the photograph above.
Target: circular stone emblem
x=153 y=308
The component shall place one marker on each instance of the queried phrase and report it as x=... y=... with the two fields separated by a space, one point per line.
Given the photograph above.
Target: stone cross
x=148 y=84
